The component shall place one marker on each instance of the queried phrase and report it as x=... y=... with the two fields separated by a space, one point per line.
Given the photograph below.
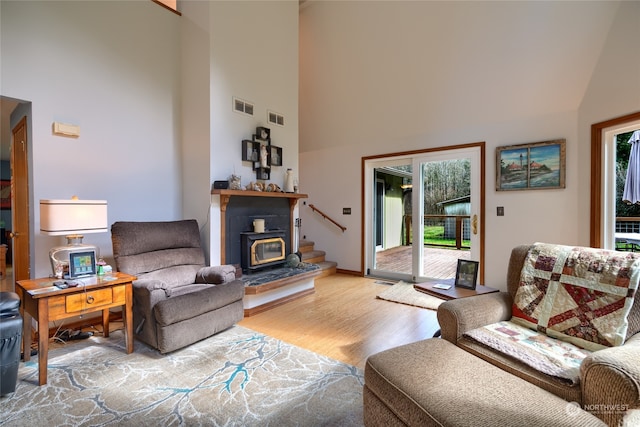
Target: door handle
x=13 y=235
x=474 y=224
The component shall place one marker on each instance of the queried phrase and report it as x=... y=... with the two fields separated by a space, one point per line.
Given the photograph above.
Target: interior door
x=20 y=202
x=413 y=210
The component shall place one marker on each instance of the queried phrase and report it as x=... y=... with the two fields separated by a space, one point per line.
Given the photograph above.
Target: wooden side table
x=451 y=293
x=46 y=303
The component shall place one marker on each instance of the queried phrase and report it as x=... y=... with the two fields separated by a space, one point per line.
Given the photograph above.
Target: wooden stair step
x=327 y=268
x=309 y=254
x=305 y=246
x=313 y=257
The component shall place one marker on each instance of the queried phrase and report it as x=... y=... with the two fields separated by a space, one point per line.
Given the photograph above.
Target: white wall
x=383 y=77
x=110 y=68
x=614 y=91
x=152 y=93
x=254 y=56
x=196 y=114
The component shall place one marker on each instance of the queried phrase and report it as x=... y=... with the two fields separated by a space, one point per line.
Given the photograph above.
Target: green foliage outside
x=433 y=236
x=443 y=180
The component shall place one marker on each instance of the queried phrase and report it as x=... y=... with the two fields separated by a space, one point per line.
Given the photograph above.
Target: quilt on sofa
x=548 y=355
x=576 y=294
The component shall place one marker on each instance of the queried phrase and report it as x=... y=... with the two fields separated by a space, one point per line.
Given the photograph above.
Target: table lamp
x=71 y=218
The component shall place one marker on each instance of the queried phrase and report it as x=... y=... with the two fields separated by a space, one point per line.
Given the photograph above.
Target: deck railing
x=442 y=231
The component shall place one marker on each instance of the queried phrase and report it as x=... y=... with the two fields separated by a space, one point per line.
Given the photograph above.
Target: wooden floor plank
x=344 y=320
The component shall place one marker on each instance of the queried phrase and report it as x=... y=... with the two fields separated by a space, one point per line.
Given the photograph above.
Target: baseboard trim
x=350 y=272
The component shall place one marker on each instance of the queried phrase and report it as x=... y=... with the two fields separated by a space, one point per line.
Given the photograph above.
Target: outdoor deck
x=439 y=263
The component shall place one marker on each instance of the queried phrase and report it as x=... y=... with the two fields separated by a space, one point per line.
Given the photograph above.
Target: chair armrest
x=464 y=314
x=149 y=284
x=610 y=381
x=193 y=304
x=216 y=275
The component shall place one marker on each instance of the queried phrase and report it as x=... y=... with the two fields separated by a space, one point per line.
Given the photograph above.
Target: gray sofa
x=177 y=300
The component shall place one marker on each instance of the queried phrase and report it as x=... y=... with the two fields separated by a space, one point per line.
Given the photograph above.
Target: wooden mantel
x=225 y=197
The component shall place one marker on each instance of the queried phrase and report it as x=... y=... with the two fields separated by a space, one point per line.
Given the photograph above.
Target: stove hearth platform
x=270 y=288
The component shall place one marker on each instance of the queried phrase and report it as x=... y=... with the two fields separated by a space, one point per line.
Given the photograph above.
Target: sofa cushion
x=434 y=383
x=548 y=355
x=577 y=294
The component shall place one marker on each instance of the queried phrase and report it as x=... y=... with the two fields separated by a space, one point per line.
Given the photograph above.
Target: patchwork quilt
x=577 y=294
x=543 y=353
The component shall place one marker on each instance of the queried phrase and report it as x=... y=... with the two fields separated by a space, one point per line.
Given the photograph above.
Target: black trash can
x=10 y=340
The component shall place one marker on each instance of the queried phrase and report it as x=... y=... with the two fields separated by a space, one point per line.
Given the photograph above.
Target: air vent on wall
x=241 y=106
x=275 y=118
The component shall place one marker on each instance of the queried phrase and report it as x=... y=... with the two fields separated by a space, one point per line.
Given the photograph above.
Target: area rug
x=236 y=378
x=404 y=293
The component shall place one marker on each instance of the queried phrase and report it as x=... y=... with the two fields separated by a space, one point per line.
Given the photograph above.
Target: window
x=603 y=177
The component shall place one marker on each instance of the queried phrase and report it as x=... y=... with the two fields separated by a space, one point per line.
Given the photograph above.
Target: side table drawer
x=87 y=300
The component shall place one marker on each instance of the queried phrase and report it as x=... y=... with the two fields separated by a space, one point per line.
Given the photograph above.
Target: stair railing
x=325 y=216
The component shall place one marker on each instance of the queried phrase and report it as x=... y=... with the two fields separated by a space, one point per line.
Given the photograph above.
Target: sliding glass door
x=424 y=213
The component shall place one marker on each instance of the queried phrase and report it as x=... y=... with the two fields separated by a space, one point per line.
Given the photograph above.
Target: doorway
x=444 y=189
x=604 y=139
x=14 y=215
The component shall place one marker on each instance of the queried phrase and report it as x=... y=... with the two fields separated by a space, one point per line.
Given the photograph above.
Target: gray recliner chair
x=10 y=340
x=177 y=300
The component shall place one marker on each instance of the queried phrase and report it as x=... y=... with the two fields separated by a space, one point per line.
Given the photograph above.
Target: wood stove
x=262 y=250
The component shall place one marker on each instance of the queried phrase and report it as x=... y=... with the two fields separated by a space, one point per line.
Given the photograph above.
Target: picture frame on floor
x=467 y=274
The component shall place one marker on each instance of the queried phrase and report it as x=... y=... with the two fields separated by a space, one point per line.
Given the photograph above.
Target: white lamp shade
x=64 y=217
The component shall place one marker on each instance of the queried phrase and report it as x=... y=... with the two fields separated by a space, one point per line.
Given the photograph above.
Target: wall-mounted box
x=63 y=129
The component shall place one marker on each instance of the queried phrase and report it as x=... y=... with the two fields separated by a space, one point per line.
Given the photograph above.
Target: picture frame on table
x=466 y=274
x=535 y=166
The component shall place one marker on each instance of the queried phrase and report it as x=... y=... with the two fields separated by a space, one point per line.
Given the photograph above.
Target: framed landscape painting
x=535 y=166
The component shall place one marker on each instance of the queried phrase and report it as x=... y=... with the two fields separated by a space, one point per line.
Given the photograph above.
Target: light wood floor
x=344 y=320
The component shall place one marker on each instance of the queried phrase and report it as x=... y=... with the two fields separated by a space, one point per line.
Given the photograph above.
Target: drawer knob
x=90 y=299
